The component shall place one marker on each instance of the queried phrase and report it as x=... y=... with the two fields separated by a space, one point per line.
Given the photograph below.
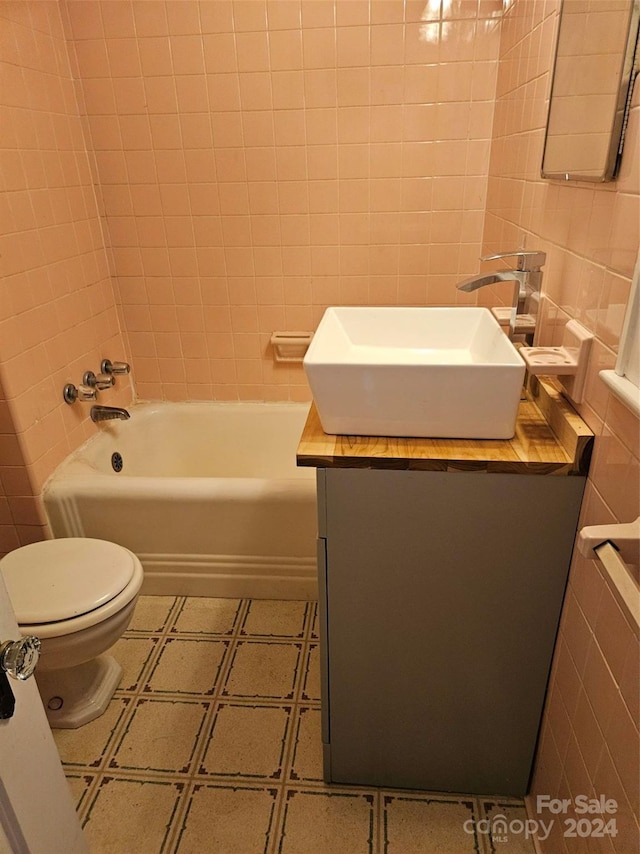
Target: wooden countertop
x=550 y=438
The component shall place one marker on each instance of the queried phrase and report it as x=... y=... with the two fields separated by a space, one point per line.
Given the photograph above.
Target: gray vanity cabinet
x=440 y=596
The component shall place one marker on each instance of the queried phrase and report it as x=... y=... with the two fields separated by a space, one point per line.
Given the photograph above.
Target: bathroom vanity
x=442 y=569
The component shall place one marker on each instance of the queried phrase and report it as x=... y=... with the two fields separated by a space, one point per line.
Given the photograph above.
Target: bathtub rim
x=76 y=463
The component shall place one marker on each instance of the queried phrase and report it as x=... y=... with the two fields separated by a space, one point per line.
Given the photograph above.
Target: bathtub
x=208 y=496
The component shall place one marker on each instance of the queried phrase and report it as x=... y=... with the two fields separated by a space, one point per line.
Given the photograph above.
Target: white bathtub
x=209 y=497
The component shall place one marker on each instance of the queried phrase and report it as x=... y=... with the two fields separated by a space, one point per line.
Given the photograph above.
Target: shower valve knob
x=85 y=392
x=109 y=367
x=99 y=382
x=71 y=393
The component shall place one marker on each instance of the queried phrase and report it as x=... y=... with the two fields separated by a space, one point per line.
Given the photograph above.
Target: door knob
x=19 y=658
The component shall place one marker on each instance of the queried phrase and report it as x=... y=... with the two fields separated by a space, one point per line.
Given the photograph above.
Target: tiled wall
x=258 y=161
x=57 y=308
x=589 y=741
x=12 y=469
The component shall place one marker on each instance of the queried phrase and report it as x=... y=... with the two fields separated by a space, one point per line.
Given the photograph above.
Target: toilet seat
x=61 y=586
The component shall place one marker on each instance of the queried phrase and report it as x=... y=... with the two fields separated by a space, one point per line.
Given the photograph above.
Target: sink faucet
x=527 y=280
x=108 y=413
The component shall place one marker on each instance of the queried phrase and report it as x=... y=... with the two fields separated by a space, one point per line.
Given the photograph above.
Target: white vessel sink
x=441 y=372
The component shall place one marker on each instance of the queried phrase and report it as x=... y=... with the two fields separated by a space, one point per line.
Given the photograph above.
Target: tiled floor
x=211 y=745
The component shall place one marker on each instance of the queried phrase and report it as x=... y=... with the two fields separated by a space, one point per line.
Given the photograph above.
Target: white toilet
x=77 y=595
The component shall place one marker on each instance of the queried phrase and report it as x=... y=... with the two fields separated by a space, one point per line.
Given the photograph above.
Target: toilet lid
x=58 y=579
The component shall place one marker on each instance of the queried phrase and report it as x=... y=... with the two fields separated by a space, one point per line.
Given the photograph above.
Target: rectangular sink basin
x=396 y=371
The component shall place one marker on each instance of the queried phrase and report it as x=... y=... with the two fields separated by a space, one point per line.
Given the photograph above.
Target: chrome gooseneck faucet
x=108 y=413
x=527 y=280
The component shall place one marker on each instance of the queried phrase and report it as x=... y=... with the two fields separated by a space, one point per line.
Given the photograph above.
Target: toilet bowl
x=77 y=595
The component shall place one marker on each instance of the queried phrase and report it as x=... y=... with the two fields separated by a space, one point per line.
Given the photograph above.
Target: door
x=37 y=814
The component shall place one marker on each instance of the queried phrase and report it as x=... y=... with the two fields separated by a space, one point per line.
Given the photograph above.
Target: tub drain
x=116 y=461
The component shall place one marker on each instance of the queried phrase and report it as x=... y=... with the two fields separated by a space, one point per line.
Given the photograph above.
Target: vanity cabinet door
x=443 y=595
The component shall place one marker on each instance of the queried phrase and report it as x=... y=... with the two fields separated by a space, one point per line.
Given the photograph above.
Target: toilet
x=77 y=595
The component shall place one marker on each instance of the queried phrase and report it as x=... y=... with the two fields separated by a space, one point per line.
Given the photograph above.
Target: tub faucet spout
x=108 y=413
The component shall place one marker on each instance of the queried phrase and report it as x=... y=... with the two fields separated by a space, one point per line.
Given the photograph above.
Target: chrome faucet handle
x=99 y=382
x=71 y=393
x=529 y=261
x=109 y=367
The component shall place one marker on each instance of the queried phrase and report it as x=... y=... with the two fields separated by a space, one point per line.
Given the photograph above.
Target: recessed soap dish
x=290 y=346
x=568 y=362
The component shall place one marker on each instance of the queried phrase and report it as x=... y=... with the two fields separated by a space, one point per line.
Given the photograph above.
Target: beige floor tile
x=311 y=674
x=128 y=816
x=247 y=741
x=306 y=762
x=132 y=654
x=189 y=667
x=318 y=822
x=415 y=825
x=223 y=820
x=506 y=827
x=151 y=613
x=204 y=615
x=260 y=669
x=270 y=618
x=88 y=745
x=161 y=736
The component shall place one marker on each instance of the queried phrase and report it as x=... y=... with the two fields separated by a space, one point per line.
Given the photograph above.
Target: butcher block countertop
x=550 y=439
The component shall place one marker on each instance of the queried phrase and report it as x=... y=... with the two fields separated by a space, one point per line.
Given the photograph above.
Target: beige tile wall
x=14 y=485
x=57 y=307
x=591 y=233
x=258 y=161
